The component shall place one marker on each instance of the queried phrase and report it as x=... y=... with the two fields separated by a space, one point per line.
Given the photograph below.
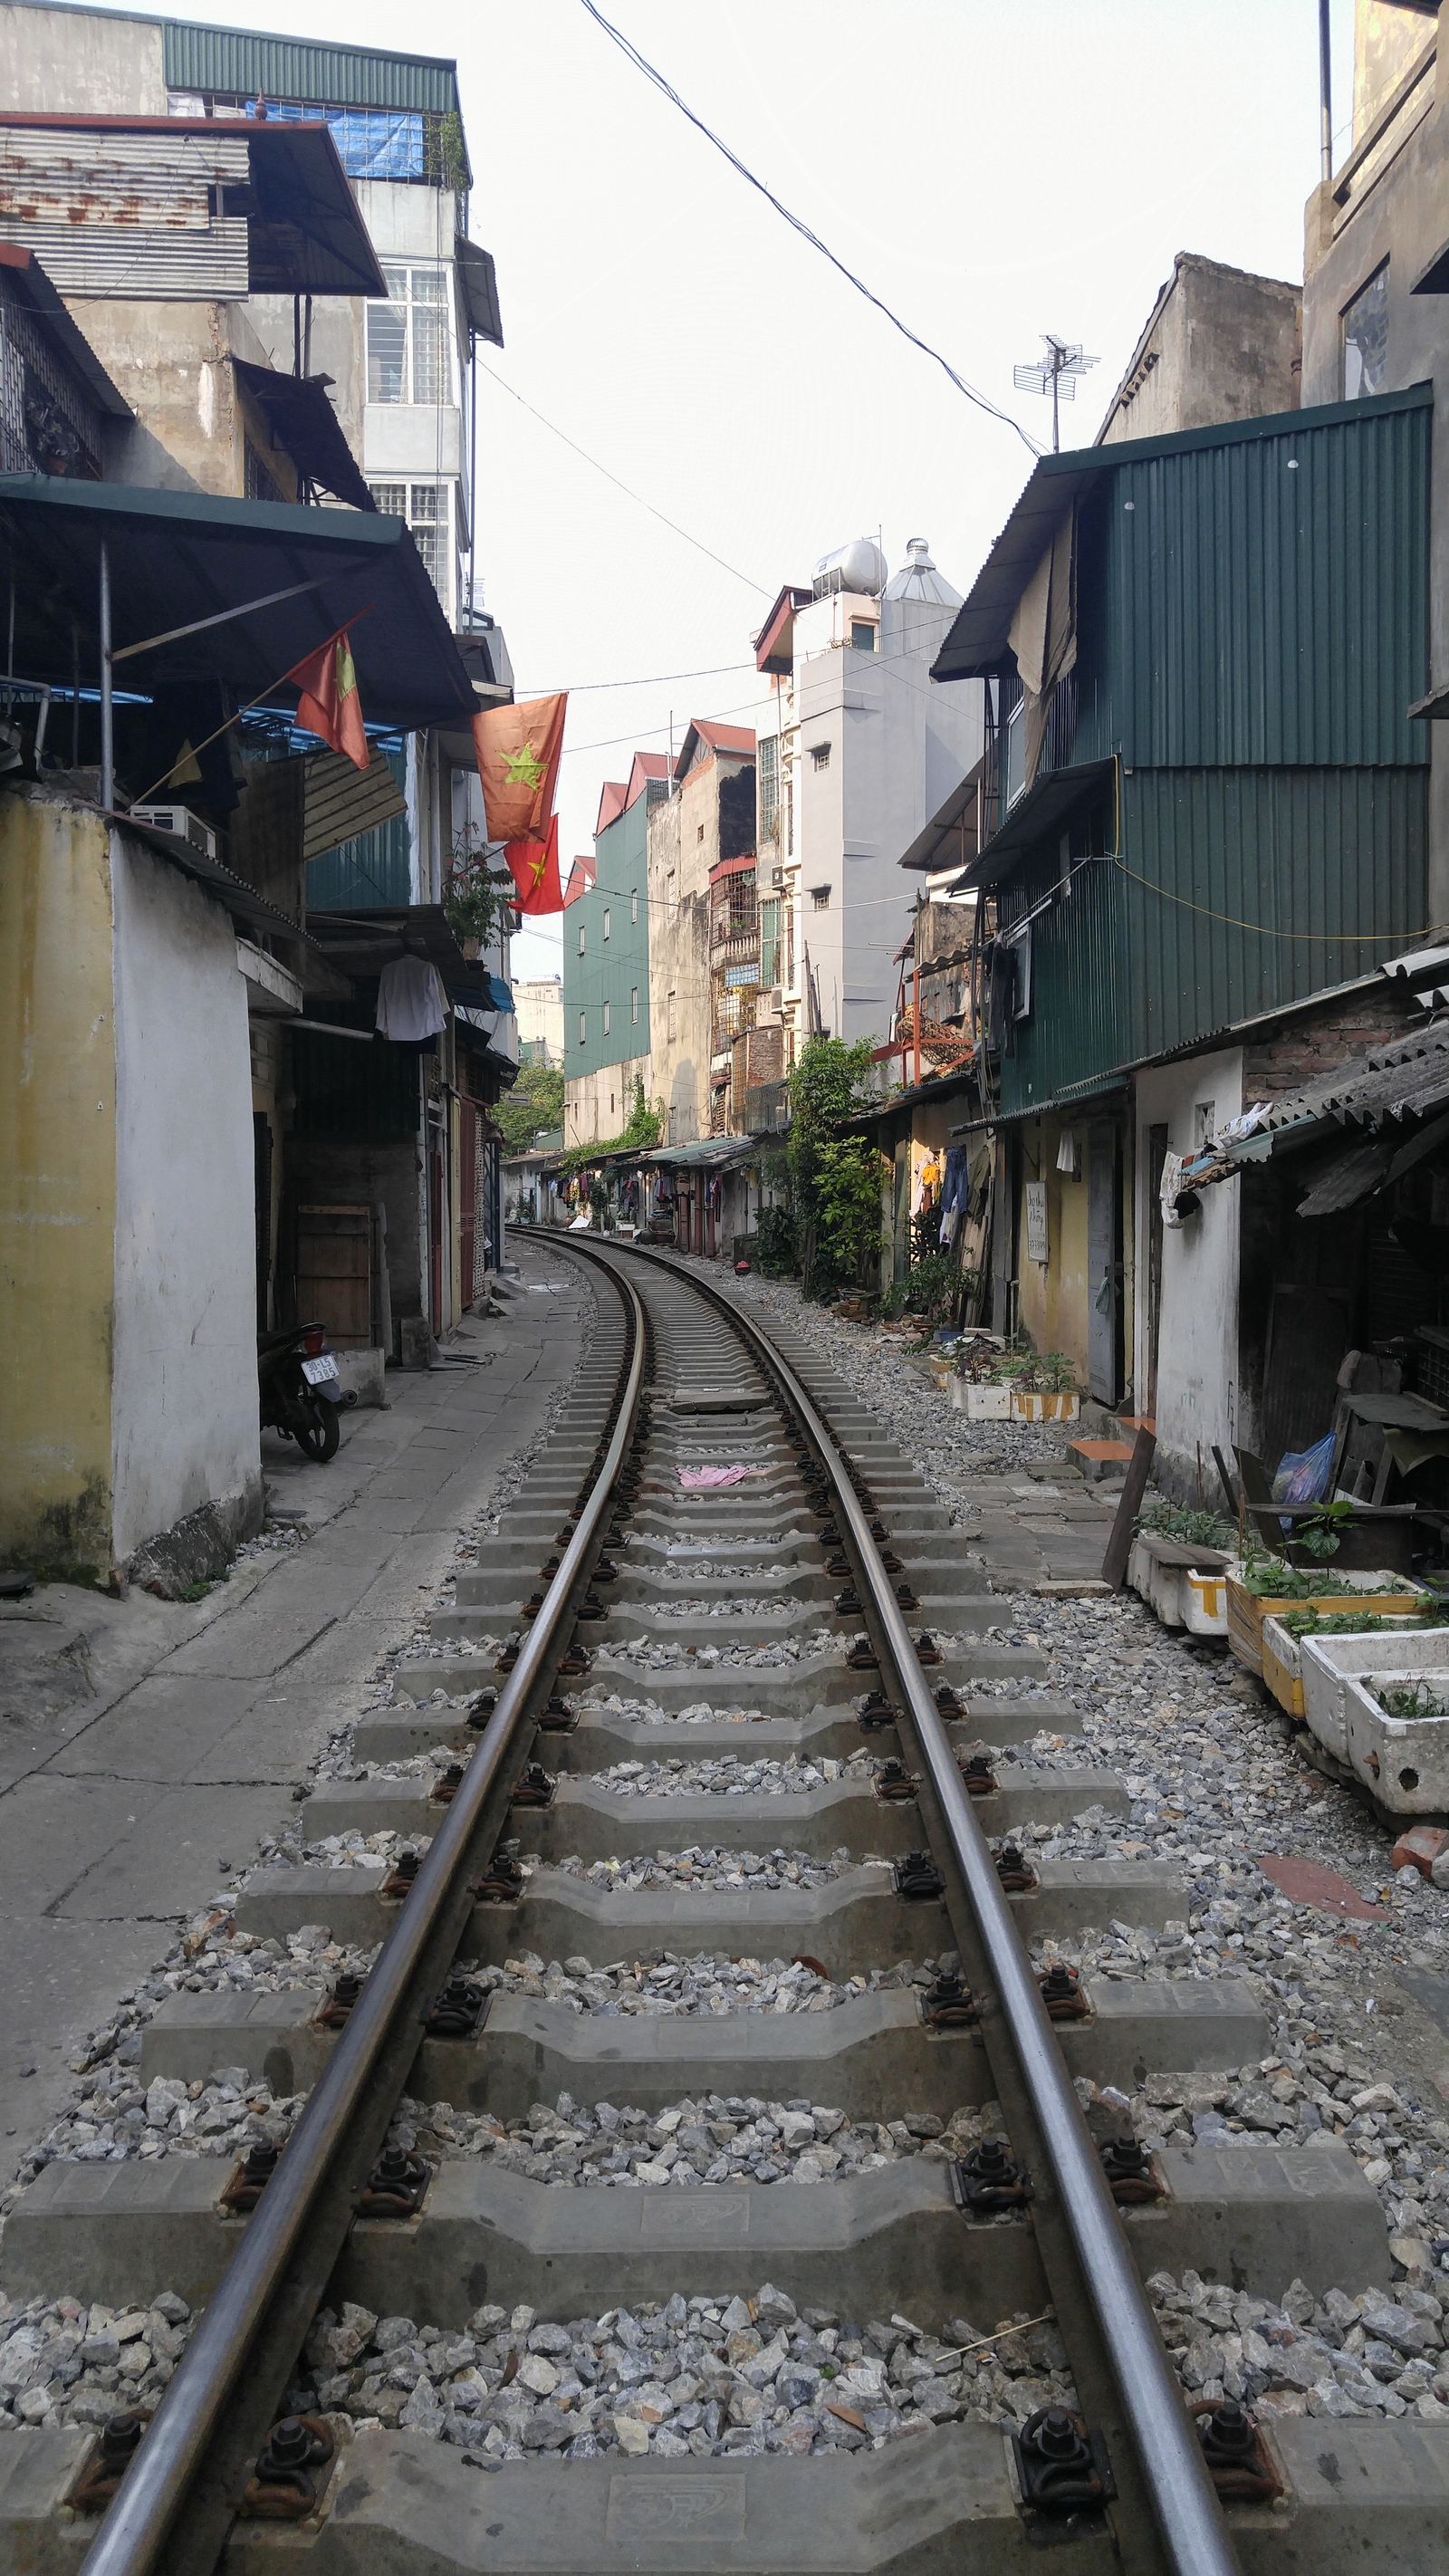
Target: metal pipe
x=74 y=695
x=1325 y=96
x=108 y=731
x=155 y=2486
x=1190 y=2518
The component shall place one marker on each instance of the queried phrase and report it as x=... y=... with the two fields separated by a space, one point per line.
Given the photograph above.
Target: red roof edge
x=774 y=644
x=611 y=804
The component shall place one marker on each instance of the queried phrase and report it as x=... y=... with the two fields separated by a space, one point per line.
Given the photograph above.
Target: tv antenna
x=1056 y=373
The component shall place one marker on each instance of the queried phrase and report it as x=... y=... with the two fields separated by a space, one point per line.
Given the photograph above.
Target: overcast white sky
x=993 y=168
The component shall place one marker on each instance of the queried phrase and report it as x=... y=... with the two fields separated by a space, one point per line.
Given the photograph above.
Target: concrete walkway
x=146 y=1745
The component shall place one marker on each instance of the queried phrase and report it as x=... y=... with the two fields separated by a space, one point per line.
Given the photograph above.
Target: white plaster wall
x=1198 y=1340
x=899 y=743
x=95 y=62
x=184 y=1386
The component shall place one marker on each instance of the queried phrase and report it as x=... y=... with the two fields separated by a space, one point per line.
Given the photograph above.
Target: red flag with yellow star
x=329 y=705
x=518 y=752
x=533 y=866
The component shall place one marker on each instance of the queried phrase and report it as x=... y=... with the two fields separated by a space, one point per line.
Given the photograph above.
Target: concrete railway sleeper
x=703 y=2159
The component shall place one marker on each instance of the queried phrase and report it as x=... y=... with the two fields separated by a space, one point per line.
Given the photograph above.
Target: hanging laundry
x=410 y=1001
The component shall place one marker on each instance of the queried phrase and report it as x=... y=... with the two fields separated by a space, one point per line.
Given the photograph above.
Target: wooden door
x=334 y=1273
x=1104 y=1265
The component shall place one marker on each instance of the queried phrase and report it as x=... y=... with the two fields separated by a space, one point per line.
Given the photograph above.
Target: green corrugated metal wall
x=1080 y=1024
x=1299 y=852
x=245 y=66
x=373 y=869
x=610 y=970
x=1267 y=598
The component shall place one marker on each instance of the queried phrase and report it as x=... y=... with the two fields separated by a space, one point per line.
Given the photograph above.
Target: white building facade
x=864 y=749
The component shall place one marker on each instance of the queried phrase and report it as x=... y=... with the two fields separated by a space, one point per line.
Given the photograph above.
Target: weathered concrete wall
x=599 y=1104
x=1197 y=1350
x=57 y=1185
x=172 y=363
x=1220 y=344
x=684 y=845
x=184 y=1376
x=1397 y=215
x=93 y=62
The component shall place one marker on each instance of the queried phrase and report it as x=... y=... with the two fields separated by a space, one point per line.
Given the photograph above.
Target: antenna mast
x=1056 y=373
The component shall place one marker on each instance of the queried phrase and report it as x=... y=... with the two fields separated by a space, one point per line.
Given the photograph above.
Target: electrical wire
x=631 y=495
x=1265 y=930
x=642 y=64
x=651 y=680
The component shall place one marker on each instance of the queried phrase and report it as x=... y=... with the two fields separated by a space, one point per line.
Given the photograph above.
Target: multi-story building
x=539 y=1009
x=701 y=836
x=861 y=752
x=606 y=1013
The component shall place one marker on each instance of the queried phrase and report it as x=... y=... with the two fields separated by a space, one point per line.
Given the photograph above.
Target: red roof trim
x=213 y=125
x=611 y=804
x=731 y=867
x=774 y=650
x=647 y=765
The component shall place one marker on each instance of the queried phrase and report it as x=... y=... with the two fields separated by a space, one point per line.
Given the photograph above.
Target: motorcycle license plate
x=317 y=1371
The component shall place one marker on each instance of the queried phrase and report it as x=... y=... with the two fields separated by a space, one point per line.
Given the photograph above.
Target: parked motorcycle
x=301 y=1393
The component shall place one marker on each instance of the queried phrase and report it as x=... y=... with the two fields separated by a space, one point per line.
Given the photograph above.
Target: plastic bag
x=1303 y=1474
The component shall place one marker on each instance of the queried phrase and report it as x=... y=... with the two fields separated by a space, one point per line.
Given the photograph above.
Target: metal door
x=1104 y=1265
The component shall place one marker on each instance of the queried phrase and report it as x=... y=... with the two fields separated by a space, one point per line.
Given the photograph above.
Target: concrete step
x=1245 y=2215
x=597 y=1823
x=601 y=1737
x=1072 y=1897
x=789 y=1689
x=857 y=2056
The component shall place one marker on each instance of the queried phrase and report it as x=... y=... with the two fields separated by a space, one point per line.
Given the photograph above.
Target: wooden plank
x=1119 y=1545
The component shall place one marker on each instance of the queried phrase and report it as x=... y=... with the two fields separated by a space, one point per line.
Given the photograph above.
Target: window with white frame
x=634 y=906
x=427 y=508
x=608 y=1018
x=581 y=939
x=409 y=345
x=606 y=921
x=634 y=1004
x=583 y=1028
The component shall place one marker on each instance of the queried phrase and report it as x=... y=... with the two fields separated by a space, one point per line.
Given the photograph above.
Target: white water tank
x=860 y=567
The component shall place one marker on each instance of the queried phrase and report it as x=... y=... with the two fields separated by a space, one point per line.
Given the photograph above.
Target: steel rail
x=141 y=2517
x=1189 y=2514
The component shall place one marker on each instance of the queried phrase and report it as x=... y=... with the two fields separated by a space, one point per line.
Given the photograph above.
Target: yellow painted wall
x=1052 y=1301
x=57 y=1186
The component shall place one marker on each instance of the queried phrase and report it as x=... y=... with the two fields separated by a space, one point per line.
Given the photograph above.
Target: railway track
x=744 y=1722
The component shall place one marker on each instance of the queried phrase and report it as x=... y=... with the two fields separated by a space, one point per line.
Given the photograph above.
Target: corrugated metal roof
x=976 y=643
x=238 y=62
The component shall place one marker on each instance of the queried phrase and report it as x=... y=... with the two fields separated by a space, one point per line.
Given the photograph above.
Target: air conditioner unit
x=181 y=823
x=775 y=998
x=777 y=876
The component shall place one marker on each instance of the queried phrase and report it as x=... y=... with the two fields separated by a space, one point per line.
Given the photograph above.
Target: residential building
x=1198 y=811
x=1219 y=344
x=539 y=1006
x=606 y=938
x=861 y=751
x=698 y=835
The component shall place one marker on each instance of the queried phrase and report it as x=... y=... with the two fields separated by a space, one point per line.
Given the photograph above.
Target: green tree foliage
x=645 y=1127
x=830 y=1175
x=533 y=1108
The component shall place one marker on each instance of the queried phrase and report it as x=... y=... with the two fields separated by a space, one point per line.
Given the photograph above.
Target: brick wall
x=1310 y=1047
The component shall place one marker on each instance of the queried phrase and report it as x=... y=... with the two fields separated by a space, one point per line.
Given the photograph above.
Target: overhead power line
x=642 y=64
x=651 y=680
x=664 y=520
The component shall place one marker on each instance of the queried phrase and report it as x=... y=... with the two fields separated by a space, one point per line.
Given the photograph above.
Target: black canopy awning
x=179 y=557
x=303 y=422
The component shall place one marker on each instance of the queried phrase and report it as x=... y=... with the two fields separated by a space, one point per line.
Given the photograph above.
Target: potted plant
x=1047 y=1390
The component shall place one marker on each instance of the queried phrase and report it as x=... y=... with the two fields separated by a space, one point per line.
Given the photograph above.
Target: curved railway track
x=831 y=1561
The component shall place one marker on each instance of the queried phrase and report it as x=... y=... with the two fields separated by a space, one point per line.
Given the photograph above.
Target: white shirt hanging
x=410 y=1002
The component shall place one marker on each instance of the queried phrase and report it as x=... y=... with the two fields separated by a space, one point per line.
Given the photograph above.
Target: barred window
x=408 y=346
x=768 y=773
x=427 y=510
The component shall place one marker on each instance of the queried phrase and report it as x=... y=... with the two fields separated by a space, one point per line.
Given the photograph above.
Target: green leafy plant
x=1271 y=1578
x=1319 y=1537
x=849 y=1174
x=829 y=1085
x=1195 y=1529
x=476 y=898
x=1417 y=1701
x=644 y=1128
x=775 y=1242
x=1353 y=1623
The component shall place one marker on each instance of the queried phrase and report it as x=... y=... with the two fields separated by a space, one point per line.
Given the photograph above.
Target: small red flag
x=329 y=704
x=533 y=866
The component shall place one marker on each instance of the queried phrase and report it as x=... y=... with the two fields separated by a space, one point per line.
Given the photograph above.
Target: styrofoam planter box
x=1205 y=1603
x=1046 y=1408
x=1403 y=1760
x=1329 y=1664
x=1181 y=1596
x=981 y=1403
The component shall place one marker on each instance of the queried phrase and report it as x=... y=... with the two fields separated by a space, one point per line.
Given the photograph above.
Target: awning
x=177 y=557
x=707 y=1154
x=944 y=842
x=1057 y=793
x=362 y=943
x=28 y=282
x=1389 y=1083
x=303 y=422
x=240 y=899
x=478 y=280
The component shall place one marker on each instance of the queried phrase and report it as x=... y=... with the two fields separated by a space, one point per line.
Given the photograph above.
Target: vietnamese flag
x=329 y=704
x=533 y=866
x=518 y=752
